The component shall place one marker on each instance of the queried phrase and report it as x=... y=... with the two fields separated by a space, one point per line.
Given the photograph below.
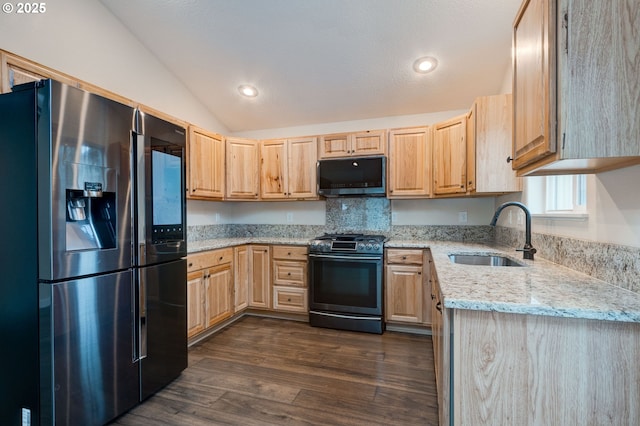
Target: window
x=566 y=194
x=558 y=196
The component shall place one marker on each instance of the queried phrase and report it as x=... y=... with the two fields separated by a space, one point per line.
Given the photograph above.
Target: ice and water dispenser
x=91 y=217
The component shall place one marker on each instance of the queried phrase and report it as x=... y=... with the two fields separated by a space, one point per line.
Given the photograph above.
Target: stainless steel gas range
x=345 y=282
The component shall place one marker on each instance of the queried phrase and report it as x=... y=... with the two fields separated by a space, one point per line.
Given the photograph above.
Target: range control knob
x=369 y=246
x=376 y=246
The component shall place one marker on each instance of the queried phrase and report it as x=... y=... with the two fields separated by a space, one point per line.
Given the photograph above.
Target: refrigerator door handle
x=142 y=315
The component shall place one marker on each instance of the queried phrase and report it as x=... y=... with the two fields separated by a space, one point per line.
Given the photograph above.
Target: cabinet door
x=219 y=284
x=195 y=303
x=301 y=167
x=273 y=169
x=206 y=164
x=368 y=143
x=471 y=148
x=243 y=159
x=260 y=277
x=450 y=156
x=493 y=140
x=403 y=293
x=240 y=278
x=336 y=145
x=534 y=70
x=409 y=163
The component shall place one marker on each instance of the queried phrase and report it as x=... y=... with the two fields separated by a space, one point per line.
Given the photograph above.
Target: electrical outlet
x=217 y=217
x=520 y=218
x=289 y=217
x=462 y=217
x=394 y=217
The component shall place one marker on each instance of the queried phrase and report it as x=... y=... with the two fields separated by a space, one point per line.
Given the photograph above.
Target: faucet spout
x=527 y=251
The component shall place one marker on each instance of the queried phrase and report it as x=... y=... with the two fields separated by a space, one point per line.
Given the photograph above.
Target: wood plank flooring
x=265 y=371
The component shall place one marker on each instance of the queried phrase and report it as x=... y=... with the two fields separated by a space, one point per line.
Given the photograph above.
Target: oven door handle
x=336 y=256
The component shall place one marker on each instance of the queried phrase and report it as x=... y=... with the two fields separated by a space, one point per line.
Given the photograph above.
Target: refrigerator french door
x=160 y=255
x=97 y=313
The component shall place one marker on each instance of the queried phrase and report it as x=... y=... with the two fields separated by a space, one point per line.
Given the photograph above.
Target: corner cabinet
x=450 y=156
x=575 y=87
x=206 y=157
x=489 y=143
x=242 y=172
x=409 y=163
x=288 y=169
x=369 y=142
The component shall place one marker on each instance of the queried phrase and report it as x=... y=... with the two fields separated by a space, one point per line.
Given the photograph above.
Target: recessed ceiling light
x=425 y=64
x=248 y=91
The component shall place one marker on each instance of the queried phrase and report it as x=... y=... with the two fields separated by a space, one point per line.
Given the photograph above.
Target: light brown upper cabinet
x=489 y=137
x=409 y=163
x=243 y=165
x=206 y=152
x=450 y=156
x=288 y=168
x=370 y=142
x=575 y=87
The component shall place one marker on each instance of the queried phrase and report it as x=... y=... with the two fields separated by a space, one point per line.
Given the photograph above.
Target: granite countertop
x=216 y=243
x=539 y=288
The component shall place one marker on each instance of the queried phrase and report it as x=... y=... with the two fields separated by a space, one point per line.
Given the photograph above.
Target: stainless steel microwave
x=354 y=176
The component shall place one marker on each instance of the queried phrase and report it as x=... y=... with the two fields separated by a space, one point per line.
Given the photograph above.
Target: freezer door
x=88 y=373
x=84 y=182
x=163 y=323
x=160 y=209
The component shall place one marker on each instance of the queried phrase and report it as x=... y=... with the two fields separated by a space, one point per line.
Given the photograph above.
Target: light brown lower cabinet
x=535 y=370
x=406 y=287
x=209 y=289
x=290 y=278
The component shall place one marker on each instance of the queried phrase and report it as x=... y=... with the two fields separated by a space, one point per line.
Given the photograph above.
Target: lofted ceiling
x=322 y=61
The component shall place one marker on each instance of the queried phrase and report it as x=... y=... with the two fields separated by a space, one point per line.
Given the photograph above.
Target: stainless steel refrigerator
x=94 y=208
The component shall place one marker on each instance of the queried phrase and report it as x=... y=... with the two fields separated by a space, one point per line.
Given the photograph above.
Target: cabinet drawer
x=290 y=273
x=290 y=299
x=290 y=252
x=407 y=257
x=209 y=259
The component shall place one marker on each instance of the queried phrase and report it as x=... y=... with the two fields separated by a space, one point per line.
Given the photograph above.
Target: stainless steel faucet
x=527 y=251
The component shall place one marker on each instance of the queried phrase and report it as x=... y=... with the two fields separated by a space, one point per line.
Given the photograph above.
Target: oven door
x=345 y=283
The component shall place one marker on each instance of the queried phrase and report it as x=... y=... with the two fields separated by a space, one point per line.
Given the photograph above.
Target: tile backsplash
x=615 y=264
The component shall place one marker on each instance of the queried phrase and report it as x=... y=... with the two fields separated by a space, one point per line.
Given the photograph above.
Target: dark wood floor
x=265 y=371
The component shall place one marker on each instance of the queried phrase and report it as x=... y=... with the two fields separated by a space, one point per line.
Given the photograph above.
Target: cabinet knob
x=190 y=264
x=221 y=257
x=288 y=274
x=288 y=299
x=509 y=159
x=404 y=257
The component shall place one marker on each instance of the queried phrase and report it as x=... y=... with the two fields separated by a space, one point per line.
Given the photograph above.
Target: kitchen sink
x=484 y=259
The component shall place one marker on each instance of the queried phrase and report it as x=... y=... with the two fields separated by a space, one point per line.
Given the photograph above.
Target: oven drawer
x=290 y=273
x=292 y=299
x=404 y=256
x=289 y=252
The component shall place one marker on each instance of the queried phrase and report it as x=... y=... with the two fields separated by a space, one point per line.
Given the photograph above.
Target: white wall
x=613 y=208
x=83 y=39
x=446 y=211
